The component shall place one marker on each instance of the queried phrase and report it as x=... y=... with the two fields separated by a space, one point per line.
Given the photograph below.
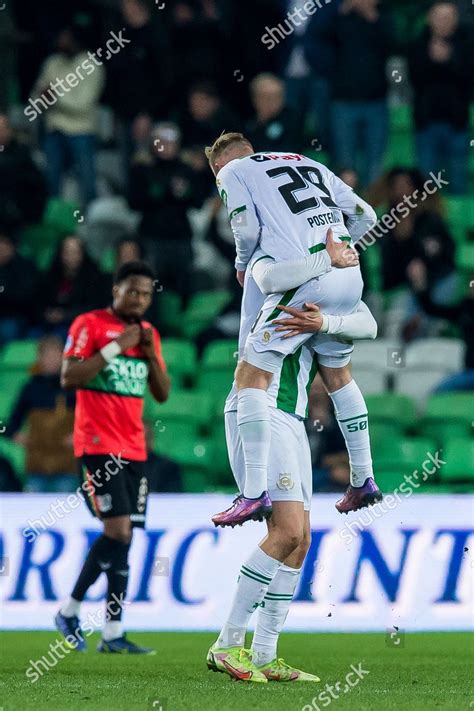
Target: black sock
x=117 y=576
x=99 y=552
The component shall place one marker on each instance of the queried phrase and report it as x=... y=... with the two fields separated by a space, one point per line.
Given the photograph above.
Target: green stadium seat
x=202 y=309
x=459 y=458
x=19 y=355
x=465 y=258
x=401 y=118
x=189 y=406
x=381 y=432
x=168 y=437
x=15 y=454
x=389 y=479
x=180 y=356
x=449 y=408
x=39 y=240
x=403 y=453
x=11 y=383
x=60 y=215
x=220 y=355
x=460 y=213
x=392 y=408
x=168 y=311
x=442 y=432
x=218 y=382
x=400 y=150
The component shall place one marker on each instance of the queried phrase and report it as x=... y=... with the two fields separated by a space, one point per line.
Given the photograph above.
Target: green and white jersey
x=284 y=203
x=289 y=389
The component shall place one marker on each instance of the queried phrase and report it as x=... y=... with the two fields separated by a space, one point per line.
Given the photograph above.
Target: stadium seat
x=459 y=458
x=218 y=382
x=202 y=309
x=15 y=454
x=220 y=355
x=450 y=407
x=372 y=381
x=19 y=355
x=61 y=215
x=391 y=409
x=39 y=242
x=389 y=479
x=401 y=119
x=377 y=354
x=180 y=356
x=460 y=216
x=441 y=353
x=418 y=383
x=381 y=432
x=442 y=432
x=168 y=312
x=189 y=406
x=11 y=383
x=169 y=436
x=403 y=453
x=465 y=258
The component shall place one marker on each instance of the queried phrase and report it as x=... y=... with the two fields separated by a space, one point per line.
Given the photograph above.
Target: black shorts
x=114 y=486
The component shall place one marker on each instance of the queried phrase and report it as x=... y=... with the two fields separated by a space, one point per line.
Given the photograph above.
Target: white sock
x=351 y=414
x=253 y=417
x=70 y=608
x=255 y=576
x=273 y=613
x=112 y=630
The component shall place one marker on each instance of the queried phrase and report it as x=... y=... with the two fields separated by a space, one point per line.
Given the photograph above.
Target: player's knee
x=291 y=539
x=122 y=534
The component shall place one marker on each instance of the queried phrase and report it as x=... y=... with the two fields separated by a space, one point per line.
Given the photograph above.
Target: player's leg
x=256 y=574
x=273 y=612
x=264 y=354
x=351 y=413
x=130 y=494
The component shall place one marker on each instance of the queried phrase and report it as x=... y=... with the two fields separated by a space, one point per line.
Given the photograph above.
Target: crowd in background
x=131 y=128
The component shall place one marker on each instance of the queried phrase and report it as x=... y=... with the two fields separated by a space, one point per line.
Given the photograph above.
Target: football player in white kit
x=260 y=586
x=280 y=207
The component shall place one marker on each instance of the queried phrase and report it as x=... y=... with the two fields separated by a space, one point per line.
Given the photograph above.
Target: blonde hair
x=224 y=142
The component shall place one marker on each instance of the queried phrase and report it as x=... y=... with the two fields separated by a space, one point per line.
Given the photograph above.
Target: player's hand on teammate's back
x=240 y=276
x=341 y=255
x=130 y=337
x=147 y=343
x=307 y=320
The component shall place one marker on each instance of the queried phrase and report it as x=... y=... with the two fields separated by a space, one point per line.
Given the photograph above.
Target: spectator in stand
x=442 y=72
x=128 y=249
x=163 y=474
x=359 y=86
x=198 y=47
x=460 y=314
x=275 y=127
x=205 y=118
x=138 y=78
x=73 y=284
x=308 y=65
x=420 y=234
x=163 y=188
x=69 y=117
x=22 y=186
x=18 y=285
x=48 y=413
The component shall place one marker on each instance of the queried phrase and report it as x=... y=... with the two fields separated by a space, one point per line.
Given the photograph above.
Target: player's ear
x=115 y=290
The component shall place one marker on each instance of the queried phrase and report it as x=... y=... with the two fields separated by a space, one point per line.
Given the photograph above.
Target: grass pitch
x=425 y=671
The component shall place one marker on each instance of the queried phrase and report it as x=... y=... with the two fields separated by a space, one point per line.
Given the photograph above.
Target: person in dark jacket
x=23 y=191
x=442 y=73
x=18 y=285
x=460 y=314
x=72 y=284
x=364 y=39
x=48 y=414
x=163 y=188
x=275 y=127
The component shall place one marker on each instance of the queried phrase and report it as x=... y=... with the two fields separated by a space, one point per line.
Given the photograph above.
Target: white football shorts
x=290 y=476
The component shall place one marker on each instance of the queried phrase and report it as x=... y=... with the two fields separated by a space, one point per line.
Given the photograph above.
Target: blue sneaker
x=71 y=627
x=122 y=645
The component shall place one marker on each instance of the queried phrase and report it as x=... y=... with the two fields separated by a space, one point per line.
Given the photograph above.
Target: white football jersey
x=284 y=203
x=288 y=390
